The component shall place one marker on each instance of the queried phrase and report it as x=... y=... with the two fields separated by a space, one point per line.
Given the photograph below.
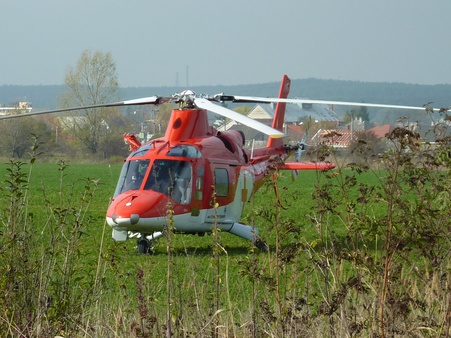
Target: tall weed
x=47 y=282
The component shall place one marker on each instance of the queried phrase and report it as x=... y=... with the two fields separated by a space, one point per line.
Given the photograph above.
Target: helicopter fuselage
x=195 y=176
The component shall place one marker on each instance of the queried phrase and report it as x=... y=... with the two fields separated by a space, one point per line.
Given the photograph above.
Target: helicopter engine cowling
x=188 y=124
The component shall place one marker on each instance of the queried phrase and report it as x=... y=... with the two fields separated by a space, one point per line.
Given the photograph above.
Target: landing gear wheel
x=143 y=245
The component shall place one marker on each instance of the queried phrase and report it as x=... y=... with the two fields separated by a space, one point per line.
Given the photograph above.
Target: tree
x=162 y=117
x=111 y=142
x=93 y=81
x=15 y=135
x=353 y=114
x=365 y=147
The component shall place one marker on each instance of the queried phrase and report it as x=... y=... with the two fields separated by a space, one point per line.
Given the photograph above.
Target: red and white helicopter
x=206 y=176
x=195 y=175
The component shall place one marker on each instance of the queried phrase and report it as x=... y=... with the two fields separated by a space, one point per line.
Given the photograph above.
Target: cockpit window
x=172 y=178
x=142 y=150
x=184 y=151
x=132 y=176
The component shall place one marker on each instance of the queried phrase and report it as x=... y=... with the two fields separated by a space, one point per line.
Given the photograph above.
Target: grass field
x=341 y=244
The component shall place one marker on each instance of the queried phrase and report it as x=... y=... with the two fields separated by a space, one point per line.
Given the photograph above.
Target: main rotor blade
x=141 y=101
x=249 y=99
x=206 y=104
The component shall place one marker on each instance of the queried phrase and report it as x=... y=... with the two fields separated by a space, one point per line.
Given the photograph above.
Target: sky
x=205 y=42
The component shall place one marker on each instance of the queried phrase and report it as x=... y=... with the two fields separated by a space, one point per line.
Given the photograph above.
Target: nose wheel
x=143 y=245
x=145 y=242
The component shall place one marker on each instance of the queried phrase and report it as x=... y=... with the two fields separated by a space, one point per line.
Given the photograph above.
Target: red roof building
x=338 y=138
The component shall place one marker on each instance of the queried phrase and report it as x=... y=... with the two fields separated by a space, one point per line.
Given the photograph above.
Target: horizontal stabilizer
x=306 y=166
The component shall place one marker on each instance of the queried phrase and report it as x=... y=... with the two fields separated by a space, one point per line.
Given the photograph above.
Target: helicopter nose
x=130 y=207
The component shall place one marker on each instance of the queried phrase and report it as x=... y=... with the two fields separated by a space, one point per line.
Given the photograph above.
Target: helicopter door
x=244 y=187
x=233 y=188
x=221 y=189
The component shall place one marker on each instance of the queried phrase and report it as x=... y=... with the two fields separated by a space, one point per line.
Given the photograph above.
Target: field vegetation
x=359 y=251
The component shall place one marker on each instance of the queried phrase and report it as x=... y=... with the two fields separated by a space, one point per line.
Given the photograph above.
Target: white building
x=21 y=106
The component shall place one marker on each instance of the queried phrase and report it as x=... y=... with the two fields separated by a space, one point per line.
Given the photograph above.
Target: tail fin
x=279 y=114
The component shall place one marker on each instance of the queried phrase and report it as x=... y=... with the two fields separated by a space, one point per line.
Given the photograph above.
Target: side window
x=221 y=182
x=182 y=183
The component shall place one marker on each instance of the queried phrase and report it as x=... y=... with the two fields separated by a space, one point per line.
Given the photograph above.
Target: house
x=336 y=138
x=382 y=131
x=342 y=138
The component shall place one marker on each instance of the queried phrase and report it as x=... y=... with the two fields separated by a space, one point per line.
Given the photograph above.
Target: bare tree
x=15 y=135
x=92 y=81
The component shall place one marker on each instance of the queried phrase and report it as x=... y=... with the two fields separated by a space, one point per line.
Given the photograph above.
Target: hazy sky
x=159 y=42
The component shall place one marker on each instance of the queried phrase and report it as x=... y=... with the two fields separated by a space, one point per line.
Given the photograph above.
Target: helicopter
x=195 y=176
x=204 y=176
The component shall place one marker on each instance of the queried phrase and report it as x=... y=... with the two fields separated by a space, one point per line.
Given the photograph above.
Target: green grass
x=297 y=198
x=59 y=187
